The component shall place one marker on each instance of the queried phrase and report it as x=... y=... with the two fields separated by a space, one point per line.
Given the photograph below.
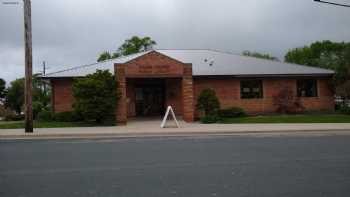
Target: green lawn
x=308 y=118
x=20 y=124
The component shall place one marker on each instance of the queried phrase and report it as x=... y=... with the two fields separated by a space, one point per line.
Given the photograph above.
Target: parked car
x=339 y=101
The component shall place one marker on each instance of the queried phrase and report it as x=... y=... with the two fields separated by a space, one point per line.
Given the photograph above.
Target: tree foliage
x=259 y=55
x=130 y=46
x=208 y=102
x=343 y=90
x=15 y=95
x=95 y=96
x=326 y=54
x=2 y=89
x=104 y=56
x=136 y=45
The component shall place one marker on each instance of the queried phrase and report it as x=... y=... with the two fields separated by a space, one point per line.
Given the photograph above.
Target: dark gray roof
x=207 y=63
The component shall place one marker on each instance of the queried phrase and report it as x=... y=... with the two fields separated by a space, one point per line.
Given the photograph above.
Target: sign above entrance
x=154 y=70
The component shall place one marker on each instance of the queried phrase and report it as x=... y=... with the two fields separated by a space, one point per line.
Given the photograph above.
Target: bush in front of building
x=69 y=116
x=45 y=116
x=96 y=96
x=208 y=102
x=14 y=117
x=345 y=110
x=287 y=102
x=4 y=112
x=210 y=119
x=232 y=112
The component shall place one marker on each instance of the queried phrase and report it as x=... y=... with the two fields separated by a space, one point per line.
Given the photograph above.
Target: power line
x=332 y=3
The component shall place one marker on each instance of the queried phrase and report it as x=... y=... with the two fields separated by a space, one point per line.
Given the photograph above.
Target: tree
x=325 y=54
x=15 y=96
x=95 y=96
x=130 y=46
x=208 y=102
x=2 y=89
x=259 y=55
x=343 y=91
x=104 y=56
x=136 y=45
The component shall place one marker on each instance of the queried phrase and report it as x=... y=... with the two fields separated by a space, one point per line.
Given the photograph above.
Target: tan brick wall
x=62 y=95
x=121 y=107
x=173 y=95
x=188 y=95
x=228 y=92
x=130 y=93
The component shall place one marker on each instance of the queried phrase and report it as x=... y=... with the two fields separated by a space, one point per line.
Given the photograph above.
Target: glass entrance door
x=149 y=101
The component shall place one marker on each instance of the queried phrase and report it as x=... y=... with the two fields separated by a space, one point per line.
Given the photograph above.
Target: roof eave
x=270 y=75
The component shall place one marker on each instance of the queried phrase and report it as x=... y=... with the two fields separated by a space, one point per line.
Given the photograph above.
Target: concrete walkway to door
x=151 y=127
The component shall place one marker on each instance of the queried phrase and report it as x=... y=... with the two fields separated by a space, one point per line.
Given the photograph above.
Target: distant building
x=150 y=81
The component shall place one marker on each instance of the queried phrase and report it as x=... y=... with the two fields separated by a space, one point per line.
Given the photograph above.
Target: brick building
x=150 y=81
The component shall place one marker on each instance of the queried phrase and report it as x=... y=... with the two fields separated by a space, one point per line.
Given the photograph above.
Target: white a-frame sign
x=169 y=110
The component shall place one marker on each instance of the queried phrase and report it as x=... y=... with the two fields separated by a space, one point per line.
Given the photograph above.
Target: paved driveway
x=205 y=166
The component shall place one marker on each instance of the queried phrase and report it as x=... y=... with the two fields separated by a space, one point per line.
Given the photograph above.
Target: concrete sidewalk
x=152 y=128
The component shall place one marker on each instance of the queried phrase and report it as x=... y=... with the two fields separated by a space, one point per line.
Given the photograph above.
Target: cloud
x=68 y=33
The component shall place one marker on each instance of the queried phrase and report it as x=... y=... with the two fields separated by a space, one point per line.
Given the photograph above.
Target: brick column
x=187 y=94
x=121 y=107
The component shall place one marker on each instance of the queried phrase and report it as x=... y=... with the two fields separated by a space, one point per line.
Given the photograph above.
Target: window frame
x=300 y=88
x=261 y=87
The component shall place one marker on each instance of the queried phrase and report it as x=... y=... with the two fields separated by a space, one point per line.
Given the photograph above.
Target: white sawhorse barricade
x=169 y=110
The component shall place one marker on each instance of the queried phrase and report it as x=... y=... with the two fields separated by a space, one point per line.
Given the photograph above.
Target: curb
x=173 y=134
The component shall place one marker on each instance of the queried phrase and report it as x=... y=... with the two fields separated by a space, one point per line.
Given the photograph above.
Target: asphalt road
x=161 y=167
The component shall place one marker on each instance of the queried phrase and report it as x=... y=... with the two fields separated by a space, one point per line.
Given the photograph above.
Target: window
x=307 y=88
x=251 y=89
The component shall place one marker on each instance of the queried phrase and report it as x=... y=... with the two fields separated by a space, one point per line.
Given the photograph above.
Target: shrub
x=287 y=102
x=232 y=112
x=95 y=96
x=345 y=110
x=67 y=117
x=14 y=117
x=45 y=116
x=210 y=119
x=208 y=102
x=37 y=108
x=5 y=111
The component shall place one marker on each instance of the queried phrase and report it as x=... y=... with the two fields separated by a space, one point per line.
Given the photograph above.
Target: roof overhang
x=266 y=76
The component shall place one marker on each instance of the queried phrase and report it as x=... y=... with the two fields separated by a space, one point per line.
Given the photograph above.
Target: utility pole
x=44 y=68
x=43 y=74
x=28 y=66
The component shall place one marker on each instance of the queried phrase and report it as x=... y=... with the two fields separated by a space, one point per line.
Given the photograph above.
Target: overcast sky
x=73 y=32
